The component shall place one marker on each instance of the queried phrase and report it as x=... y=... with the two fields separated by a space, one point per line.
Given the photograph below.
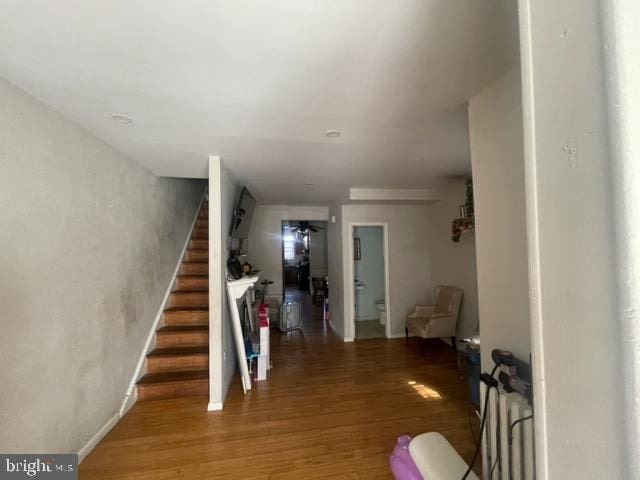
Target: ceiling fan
x=303 y=227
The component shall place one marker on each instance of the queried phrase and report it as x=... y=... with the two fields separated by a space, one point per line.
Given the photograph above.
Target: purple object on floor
x=402 y=465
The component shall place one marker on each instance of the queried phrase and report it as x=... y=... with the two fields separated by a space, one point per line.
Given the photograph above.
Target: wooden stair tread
x=195 y=243
x=186 y=316
x=194 y=267
x=197 y=283
x=172 y=352
x=173 y=377
x=183 y=328
x=187 y=294
x=179 y=364
x=186 y=309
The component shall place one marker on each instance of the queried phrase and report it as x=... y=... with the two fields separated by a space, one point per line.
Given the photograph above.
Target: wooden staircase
x=179 y=364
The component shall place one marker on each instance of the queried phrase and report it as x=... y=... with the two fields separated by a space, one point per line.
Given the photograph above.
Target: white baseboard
x=93 y=441
x=396 y=335
x=344 y=339
x=214 y=406
x=128 y=401
x=333 y=327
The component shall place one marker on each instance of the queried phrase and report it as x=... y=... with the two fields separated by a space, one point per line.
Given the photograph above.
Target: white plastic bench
x=436 y=459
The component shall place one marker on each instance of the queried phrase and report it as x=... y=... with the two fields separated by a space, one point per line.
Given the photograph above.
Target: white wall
x=370 y=270
x=454 y=263
x=89 y=243
x=265 y=238
x=223 y=194
x=409 y=262
x=336 y=270
x=497 y=158
x=230 y=192
x=318 y=252
x=577 y=342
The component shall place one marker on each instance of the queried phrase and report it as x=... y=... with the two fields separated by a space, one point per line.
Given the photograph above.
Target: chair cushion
x=445 y=302
x=419 y=325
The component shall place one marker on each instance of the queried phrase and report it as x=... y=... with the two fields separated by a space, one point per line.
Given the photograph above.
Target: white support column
x=216 y=285
x=620 y=21
x=576 y=339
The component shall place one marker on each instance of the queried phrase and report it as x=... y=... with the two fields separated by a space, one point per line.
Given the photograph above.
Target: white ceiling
x=259 y=82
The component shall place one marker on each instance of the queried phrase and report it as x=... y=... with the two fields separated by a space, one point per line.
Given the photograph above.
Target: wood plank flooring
x=329 y=410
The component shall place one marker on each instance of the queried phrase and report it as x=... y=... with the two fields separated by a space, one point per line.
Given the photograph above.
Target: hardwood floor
x=329 y=410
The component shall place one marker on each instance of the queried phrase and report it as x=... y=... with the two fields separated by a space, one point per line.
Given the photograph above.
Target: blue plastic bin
x=473 y=372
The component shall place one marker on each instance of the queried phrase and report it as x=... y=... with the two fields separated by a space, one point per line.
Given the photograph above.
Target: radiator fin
x=507 y=454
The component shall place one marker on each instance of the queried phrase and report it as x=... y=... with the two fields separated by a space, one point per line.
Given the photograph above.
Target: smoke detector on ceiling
x=333 y=133
x=118 y=117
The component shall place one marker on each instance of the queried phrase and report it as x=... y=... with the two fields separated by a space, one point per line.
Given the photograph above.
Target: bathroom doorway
x=370 y=281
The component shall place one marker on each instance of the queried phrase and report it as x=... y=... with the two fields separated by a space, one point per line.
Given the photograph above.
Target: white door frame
x=350 y=292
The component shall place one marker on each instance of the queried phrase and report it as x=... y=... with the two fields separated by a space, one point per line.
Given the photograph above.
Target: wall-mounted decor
x=463 y=224
x=357 y=253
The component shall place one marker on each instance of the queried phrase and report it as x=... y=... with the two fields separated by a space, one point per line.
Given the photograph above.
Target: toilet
x=380 y=307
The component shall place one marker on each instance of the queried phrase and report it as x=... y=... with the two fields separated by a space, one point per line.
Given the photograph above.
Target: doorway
x=369 y=259
x=304 y=261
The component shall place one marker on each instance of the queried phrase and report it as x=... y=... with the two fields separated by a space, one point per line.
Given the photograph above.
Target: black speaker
x=234 y=267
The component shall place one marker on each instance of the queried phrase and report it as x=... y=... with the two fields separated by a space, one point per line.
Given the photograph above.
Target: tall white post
x=576 y=336
x=216 y=284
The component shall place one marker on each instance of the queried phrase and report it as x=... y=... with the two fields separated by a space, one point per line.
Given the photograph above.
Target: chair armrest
x=423 y=311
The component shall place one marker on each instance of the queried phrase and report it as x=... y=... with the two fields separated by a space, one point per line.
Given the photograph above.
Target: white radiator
x=505 y=456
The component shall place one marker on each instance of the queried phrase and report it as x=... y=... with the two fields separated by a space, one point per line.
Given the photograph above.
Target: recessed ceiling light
x=333 y=133
x=118 y=117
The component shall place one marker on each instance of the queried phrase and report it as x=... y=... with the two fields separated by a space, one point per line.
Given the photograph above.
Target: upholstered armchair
x=436 y=321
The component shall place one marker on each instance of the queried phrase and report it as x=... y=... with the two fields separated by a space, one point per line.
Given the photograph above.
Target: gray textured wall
x=454 y=263
x=88 y=243
x=497 y=158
